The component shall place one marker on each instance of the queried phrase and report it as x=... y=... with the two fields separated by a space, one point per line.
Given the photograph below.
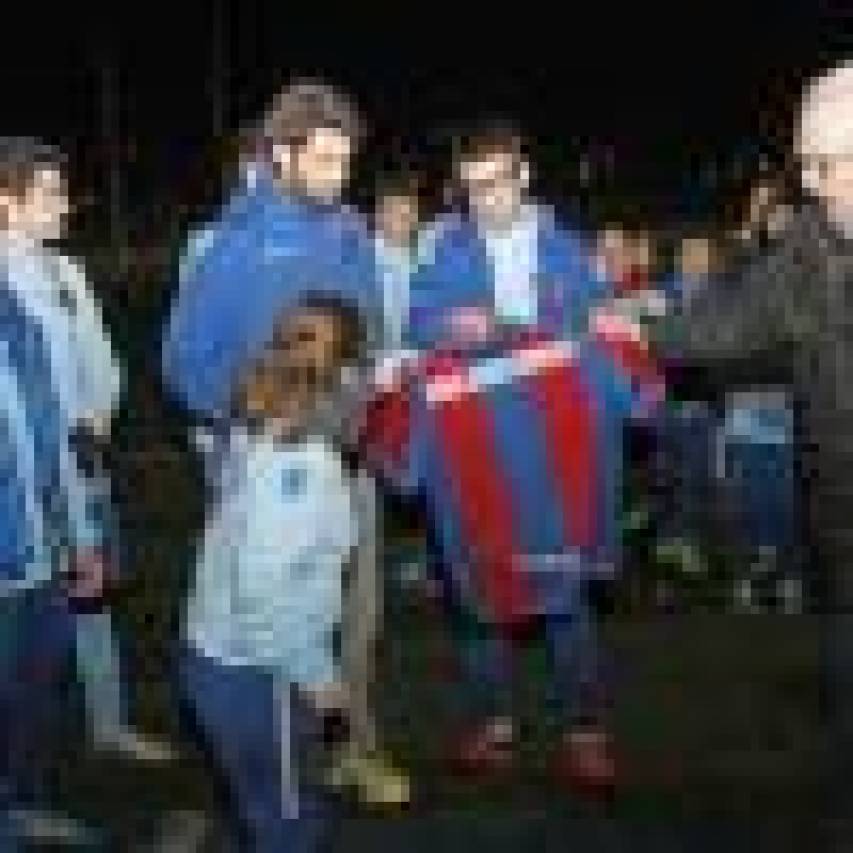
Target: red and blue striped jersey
x=517 y=450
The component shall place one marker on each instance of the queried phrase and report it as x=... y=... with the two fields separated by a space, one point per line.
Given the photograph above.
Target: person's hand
x=472 y=325
x=328 y=696
x=390 y=369
x=88 y=572
x=609 y=322
x=98 y=423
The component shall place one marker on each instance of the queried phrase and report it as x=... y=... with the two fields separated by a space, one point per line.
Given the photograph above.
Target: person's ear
x=524 y=174
x=282 y=161
x=810 y=177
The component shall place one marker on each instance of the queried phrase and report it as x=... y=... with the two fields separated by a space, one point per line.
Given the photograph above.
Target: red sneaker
x=585 y=762
x=487 y=751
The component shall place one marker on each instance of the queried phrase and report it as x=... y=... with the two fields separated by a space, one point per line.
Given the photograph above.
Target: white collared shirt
x=396 y=266
x=514 y=257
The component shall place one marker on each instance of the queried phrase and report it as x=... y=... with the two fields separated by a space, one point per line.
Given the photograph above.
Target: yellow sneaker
x=376 y=781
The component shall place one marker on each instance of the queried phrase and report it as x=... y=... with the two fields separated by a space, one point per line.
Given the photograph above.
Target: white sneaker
x=744 y=597
x=41 y=826
x=132 y=744
x=790 y=593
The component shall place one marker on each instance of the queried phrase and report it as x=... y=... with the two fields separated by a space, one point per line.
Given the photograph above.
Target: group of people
x=482 y=366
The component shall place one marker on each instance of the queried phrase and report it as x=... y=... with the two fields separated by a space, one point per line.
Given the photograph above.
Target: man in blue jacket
x=504 y=253
x=503 y=260
x=284 y=231
x=52 y=543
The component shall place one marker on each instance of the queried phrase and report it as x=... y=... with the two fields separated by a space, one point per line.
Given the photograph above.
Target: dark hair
x=348 y=317
x=489 y=136
x=402 y=183
x=351 y=342
x=20 y=158
x=299 y=109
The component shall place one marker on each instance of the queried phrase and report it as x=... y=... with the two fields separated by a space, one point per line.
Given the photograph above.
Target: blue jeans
x=764 y=484
x=254 y=733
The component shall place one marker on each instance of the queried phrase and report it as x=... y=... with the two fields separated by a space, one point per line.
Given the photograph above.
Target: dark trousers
x=498 y=666
x=37 y=636
x=255 y=732
x=834 y=561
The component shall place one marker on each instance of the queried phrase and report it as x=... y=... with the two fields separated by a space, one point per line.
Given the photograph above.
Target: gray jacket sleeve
x=743 y=328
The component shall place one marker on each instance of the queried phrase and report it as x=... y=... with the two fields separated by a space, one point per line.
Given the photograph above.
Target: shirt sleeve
x=571 y=286
x=316 y=580
x=207 y=326
x=99 y=373
x=738 y=328
x=15 y=502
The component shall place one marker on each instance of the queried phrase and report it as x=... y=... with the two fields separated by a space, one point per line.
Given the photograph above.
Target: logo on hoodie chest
x=294 y=482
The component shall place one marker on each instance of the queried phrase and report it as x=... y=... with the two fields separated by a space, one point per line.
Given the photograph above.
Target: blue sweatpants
x=254 y=732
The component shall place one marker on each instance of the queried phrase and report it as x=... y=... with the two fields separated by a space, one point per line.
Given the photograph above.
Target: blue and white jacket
x=559 y=290
x=45 y=507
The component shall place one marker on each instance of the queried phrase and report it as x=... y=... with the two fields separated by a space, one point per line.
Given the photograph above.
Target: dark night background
x=671 y=104
x=657 y=83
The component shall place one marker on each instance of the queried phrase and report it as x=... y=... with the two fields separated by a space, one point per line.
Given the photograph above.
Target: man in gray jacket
x=789 y=317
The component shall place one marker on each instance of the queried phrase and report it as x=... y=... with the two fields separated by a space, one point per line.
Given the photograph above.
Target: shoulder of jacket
x=559 y=235
x=453 y=230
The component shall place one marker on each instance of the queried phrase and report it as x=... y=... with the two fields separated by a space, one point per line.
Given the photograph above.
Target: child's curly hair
x=350 y=345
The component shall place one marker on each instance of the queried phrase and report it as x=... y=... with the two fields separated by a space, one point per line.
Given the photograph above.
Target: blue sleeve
x=205 y=321
x=453 y=278
x=13 y=498
x=571 y=287
x=428 y=293
x=38 y=434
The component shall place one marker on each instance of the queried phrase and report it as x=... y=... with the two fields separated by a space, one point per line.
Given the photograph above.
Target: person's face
x=495 y=186
x=831 y=177
x=41 y=212
x=397 y=219
x=47 y=205
x=696 y=258
x=321 y=166
x=310 y=343
x=302 y=358
x=642 y=253
x=613 y=254
x=761 y=199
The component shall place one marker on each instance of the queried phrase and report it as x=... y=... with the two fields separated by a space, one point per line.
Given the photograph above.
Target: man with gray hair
x=787 y=317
